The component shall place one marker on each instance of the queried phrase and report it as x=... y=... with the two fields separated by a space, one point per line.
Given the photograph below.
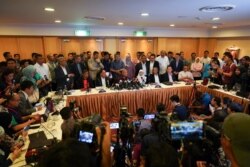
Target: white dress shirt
x=163 y=62
x=43 y=70
x=64 y=70
x=170 y=78
x=103 y=82
x=157 y=79
x=144 y=68
x=185 y=74
x=151 y=66
x=205 y=60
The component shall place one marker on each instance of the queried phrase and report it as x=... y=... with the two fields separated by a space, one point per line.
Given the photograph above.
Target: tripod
x=122 y=151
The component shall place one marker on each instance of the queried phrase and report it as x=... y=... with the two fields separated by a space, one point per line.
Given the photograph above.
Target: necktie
x=79 y=69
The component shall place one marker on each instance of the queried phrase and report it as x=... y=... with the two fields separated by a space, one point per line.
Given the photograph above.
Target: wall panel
x=52 y=45
x=28 y=45
x=8 y=44
x=48 y=45
x=242 y=43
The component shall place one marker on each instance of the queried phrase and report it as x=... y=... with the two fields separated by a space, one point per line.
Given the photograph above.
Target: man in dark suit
x=102 y=79
x=168 y=76
x=142 y=65
x=25 y=107
x=63 y=75
x=151 y=64
x=155 y=77
x=77 y=68
x=177 y=65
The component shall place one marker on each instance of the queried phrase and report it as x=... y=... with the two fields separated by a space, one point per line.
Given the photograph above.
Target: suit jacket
x=165 y=77
x=98 y=81
x=78 y=76
x=156 y=64
x=25 y=107
x=151 y=78
x=62 y=79
x=138 y=67
x=177 y=68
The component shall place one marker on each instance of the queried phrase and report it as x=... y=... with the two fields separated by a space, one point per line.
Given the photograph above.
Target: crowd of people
x=24 y=82
x=101 y=69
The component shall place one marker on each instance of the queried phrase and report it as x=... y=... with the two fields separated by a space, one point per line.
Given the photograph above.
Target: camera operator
x=152 y=142
x=141 y=127
x=68 y=124
x=140 y=123
x=180 y=111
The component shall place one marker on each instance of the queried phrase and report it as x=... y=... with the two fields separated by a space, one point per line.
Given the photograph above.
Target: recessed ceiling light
x=49 y=9
x=144 y=14
x=171 y=25
x=214 y=27
x=215 y=18
x=58 y=21
x=120 y=23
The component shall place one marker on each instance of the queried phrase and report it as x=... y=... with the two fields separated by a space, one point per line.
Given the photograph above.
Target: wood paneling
x=133 y=45
x=52 y=45
x=71 y=45
x=91 y=45
x=110 y=45
x=49 y=45
x=8 y=44
x=242 y=43
x=207 y=44
x=188 y=46
x=28 y=45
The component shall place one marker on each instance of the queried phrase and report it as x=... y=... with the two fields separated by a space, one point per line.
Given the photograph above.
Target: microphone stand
x=54 y=140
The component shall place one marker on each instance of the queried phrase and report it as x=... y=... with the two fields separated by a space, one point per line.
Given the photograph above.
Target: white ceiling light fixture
x=58 y=21
x=171 y=25
x=144 y=14
x=120 y=23
x=215 y=18
x=49 y=9
x=97 y=18
x=214 y=27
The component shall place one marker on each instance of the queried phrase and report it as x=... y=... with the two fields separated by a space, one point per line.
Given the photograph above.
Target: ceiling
x=162 y=13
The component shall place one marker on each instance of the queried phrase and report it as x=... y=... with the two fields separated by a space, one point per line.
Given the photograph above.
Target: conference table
x=107 y=104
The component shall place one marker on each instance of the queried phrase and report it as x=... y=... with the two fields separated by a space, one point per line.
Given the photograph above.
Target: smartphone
x=149 y=116
x=86 y=137
x=187 y=130
x=76 y=109
x=112 y=148
x=26 y=128
x=114 y=125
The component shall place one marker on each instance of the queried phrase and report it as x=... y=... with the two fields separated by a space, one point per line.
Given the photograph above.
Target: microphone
x=54 y=140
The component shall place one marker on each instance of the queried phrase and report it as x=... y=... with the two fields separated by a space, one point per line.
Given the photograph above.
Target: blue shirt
x=117 y=65
x=206 y=69
x=181 y=112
